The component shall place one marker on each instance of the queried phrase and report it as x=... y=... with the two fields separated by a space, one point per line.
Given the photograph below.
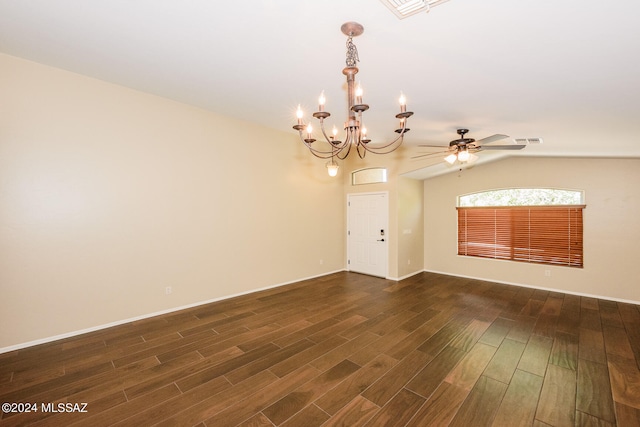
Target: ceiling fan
x=462 y=149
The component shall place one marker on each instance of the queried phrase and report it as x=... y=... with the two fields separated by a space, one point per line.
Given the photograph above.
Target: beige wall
x=108 y=195
x=611 y=224
x=410 y=226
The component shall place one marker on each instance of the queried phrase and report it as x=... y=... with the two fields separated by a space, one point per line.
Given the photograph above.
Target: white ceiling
x=566 y=71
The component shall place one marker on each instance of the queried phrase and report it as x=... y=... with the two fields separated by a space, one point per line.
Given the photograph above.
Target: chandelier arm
x=382 y=147
x=347 y=144
x=329 y=140
x=345 y=155
x=339 y=149
x=319 y=153
x=362 y=153
x=377 y=149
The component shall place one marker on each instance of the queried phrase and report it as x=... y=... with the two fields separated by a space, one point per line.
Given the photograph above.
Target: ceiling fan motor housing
x=462 y=141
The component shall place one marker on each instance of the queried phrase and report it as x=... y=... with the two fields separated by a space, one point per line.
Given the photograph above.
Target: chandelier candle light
x=355 y=134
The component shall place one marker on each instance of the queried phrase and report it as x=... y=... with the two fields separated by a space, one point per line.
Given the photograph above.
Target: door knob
x=381 y=240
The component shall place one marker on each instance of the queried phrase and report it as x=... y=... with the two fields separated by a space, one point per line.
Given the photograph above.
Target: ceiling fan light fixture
x=451 y=158
x=463 y=155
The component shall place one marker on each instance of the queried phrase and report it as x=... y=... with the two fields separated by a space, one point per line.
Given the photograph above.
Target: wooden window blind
x=538 y=234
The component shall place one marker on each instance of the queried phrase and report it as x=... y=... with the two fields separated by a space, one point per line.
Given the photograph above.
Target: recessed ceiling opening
x=405 y=8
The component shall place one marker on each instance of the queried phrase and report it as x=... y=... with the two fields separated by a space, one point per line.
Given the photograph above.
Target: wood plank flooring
x=347 y=350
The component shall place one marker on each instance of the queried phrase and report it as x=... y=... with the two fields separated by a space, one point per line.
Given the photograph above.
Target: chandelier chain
x=352 y=53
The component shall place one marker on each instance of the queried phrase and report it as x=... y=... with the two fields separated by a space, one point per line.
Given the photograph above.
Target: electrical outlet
x=408 y=262
x=168 y=290
x=547 y=273
x=321 y=261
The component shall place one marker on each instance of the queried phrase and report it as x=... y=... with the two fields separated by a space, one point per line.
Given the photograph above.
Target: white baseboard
x=174 y=309
x=522 y=285
x=146 y=316
x=406 y=276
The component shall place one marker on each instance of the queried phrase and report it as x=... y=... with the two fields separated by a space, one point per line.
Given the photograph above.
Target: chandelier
x=355 y=133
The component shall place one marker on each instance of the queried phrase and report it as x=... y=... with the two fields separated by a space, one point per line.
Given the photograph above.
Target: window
x=368 y=176
x=536 y=225
x=523 y=197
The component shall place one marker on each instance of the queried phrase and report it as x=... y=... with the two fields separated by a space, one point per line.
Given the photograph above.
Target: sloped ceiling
x=567 y=71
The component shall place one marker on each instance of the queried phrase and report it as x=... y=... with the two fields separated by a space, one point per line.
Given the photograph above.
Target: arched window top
x=368 y=176
x=522 y=197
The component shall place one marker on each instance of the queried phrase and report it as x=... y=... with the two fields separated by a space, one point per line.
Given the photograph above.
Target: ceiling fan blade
x=492 y=138
x=501 y=147
x=439 y=153
x=433 y=146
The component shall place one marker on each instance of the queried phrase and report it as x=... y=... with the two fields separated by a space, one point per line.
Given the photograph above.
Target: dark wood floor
x=348 y=349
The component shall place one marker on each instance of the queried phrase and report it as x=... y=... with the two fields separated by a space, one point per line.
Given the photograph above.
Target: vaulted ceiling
x=566 y=71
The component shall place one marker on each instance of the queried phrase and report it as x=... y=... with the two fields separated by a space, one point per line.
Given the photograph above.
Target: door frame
x=386 y=228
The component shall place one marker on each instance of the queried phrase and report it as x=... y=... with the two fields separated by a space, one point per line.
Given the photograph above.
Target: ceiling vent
x=405 y=8
x=527 y=140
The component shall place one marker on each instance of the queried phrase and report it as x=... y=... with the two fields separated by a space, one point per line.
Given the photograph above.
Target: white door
x=367 y=234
